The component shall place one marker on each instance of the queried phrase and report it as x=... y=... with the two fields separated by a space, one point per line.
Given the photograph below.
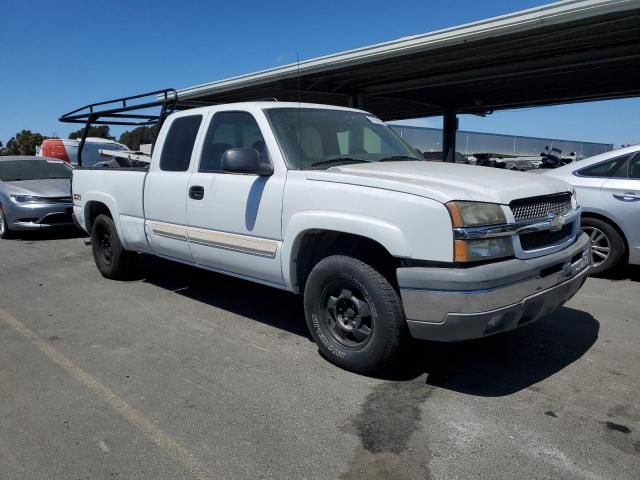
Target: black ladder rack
x=120 y=112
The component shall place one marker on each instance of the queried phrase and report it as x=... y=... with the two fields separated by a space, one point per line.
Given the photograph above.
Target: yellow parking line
x=142 y=423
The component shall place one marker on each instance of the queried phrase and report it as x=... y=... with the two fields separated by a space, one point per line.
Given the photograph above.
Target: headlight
x=482 y=249
x=574 y=199
x=474 y=214
x=25 y=199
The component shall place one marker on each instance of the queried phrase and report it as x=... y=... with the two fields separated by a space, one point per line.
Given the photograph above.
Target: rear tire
x=354 y=315
x=607 y=246
x=4 y=228
x=112 y=260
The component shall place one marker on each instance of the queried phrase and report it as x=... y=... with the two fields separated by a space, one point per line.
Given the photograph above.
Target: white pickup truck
x=328 y=202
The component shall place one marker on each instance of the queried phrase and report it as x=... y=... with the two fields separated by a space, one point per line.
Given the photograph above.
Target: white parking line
x=135 y=418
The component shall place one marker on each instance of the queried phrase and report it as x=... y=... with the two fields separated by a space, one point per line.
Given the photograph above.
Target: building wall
x=430 y=140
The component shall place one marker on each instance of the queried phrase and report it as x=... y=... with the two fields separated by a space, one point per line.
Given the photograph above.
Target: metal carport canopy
x=569 y=51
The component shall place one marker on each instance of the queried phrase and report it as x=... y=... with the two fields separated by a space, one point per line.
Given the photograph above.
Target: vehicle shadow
x=629 y=272
x=494 y=366
x=505 y=363
x=267 y=305
x=61 y=233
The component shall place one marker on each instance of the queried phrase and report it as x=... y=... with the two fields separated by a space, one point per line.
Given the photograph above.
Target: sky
x=56 y=56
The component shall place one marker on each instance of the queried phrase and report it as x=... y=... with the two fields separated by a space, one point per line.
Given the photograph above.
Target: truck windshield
x=18 y=170
x=314 y=138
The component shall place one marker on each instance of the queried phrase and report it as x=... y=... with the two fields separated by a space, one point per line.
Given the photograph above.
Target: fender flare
x=302 y=223
x=111 y=203
x=612 y=219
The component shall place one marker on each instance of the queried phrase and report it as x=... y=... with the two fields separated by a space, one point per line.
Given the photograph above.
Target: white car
x=608 y=187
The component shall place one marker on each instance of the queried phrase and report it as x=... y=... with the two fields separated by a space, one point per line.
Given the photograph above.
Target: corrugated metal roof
x=502 y=62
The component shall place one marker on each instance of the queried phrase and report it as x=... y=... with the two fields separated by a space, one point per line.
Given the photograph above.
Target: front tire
x=112 y=260
x=4 y=227
x=354 y=314
x=607 y=246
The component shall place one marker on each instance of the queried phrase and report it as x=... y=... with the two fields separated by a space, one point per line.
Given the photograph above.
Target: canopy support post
x=449 y=130
x=356 y=100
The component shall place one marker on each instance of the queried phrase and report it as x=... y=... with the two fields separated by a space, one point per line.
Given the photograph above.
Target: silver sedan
x=608 y=187
x=35 y=193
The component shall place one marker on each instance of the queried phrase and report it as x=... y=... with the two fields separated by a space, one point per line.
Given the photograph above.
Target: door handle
x=196 y=192
x=627 y=196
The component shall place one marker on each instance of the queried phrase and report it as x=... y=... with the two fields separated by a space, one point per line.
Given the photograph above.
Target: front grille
x=58 y=199
x=546 y=238
x=540 y=207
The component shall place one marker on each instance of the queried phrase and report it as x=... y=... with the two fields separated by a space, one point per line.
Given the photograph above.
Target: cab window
x=178 y=145
x=230 y=130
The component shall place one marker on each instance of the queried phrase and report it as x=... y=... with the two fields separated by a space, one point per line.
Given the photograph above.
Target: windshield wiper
x=339 y=160
x=398 y=158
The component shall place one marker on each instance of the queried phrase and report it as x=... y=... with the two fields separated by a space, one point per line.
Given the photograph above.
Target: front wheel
x=4 y=228
x=607 y=246
x=354 y=314
x=112 y=260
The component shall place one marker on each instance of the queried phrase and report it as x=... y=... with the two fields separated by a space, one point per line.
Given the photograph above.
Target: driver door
x=235 y=219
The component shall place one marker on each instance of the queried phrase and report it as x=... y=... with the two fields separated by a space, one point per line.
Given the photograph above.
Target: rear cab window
x=179 y=142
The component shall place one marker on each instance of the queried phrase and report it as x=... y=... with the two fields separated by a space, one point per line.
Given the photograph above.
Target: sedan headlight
x=467 y=216
x=26 y=199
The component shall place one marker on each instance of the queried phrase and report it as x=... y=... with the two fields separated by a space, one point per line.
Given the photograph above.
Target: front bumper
x=451 y=304
x=39 y=215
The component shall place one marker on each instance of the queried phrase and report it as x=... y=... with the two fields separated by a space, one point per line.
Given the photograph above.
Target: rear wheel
x=607 y=246
x=112 y=260
x=4 y=228
x=354 y=314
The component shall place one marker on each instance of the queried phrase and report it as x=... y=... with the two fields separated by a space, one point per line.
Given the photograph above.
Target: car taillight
x=54 y=148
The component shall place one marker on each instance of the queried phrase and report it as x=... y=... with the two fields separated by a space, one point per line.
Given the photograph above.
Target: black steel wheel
x=354 y=314
x=112 y=260
x=103 y=237
x=347 y=314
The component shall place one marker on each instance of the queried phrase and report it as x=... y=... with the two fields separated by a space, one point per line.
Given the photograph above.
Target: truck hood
x=444 y=181
x=51 y=187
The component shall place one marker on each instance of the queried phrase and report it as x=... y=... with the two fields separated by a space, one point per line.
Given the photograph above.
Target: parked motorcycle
x=553 y=158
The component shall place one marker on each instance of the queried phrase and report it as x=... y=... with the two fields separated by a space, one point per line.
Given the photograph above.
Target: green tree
x=101 y=131
x=24 y=143
x=134 y=138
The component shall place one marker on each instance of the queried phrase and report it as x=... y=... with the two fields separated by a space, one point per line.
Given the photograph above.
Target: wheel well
x=613 y=224
x=92 y=210
x=317 y=245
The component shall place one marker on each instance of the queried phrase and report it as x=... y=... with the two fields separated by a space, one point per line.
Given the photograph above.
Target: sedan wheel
x=600 y=245
x=607 y=246
x=4 y=229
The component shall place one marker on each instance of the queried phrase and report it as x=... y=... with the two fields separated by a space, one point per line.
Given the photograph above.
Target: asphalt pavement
x=182 y=373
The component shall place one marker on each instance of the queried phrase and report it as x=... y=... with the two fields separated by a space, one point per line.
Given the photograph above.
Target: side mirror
x=245 y=160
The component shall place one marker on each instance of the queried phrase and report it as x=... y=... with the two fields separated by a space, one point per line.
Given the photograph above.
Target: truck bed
x=121 y=190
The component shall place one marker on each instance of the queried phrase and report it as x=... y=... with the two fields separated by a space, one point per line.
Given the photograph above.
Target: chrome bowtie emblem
x=557 y=222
